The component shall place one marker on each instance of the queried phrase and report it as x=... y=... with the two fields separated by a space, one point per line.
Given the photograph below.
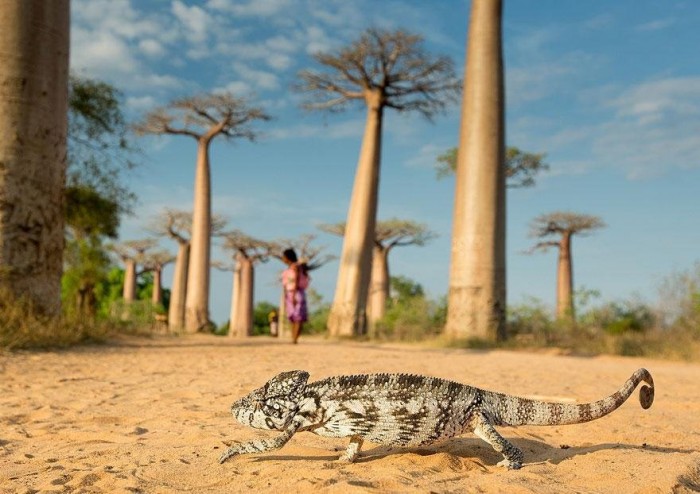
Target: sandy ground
x=151 y=415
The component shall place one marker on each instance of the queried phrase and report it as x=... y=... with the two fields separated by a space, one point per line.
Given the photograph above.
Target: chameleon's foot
x=345 y=458
x=510 y=464
x=228 y=454
x=352 y=451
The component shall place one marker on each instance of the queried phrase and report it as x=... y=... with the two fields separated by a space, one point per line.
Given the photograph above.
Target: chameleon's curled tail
x=522 y=411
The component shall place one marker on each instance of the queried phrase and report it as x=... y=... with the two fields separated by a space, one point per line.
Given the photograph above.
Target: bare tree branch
x=391 y=62
x=203 y=117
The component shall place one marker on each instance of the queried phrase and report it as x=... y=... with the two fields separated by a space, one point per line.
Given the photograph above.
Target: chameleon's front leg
x=513 y=457
x=260 y=445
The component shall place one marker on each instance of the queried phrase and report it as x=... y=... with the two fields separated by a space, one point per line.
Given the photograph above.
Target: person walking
x=295 y=280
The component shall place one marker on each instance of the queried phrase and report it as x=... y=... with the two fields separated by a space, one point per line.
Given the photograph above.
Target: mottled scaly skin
x=406 y=410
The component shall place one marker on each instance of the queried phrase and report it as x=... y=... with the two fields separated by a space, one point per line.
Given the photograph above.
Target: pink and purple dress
x=295 y=300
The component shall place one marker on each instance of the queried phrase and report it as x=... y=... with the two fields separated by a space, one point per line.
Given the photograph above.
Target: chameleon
x=406 y=410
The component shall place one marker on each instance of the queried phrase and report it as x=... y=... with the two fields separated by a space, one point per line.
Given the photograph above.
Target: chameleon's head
x=272 y=406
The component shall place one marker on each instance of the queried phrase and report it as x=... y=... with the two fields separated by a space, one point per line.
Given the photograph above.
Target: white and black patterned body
x=405 y=410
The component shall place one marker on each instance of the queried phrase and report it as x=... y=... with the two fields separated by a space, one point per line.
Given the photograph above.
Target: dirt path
x=151 y=415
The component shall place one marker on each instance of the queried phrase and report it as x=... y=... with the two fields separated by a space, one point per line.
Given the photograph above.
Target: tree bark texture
x=565 y=279
x=197 y=296
x=242 y=323
x=34 y=45
x=157 y=295
x=379 y=286
x=477 y=291
x=235 y=297
x=176 y=311
x=129 y=290
x=348 y=312
x=283 y=327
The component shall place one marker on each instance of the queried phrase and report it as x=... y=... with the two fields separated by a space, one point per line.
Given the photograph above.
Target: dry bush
x=21 y=326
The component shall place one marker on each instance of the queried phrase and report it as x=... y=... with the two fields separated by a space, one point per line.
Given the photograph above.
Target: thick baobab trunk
x=242 y=323
x=235 y=296
x=197 y=297
x=129 y=291
x=347 y=316
x=284 y=329
x=33 y=120
x=565 y=279
x=157 y=295
x=477 y=292
x=379 y=286
x=176 y=311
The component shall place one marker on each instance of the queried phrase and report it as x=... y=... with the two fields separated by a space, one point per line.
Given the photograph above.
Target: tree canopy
x=99 y=149
x=561 y=223
x=392 y=63
x=521 y=167
x=391 y=233
x=204 y=116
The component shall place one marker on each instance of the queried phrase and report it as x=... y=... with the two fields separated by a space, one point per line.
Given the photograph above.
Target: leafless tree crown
x=247 y=246
x=133 y=249
x=157 y=260
x=393 y=63
x=561 y=223
x=177 y=224
x=204 y=116
x=391 y=233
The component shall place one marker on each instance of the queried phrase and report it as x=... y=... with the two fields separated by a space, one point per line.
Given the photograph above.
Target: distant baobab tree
x=34 y=45
x=388 y=234
x=564 y=225
x=247 y=252
x=154 y=262
x=477 y=287
x=131 y=252
x=383 y=69
x=202 y=118
x=521 y=167
x=177 y=225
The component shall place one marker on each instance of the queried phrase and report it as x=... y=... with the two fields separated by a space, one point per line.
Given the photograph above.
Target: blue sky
x=610 y=91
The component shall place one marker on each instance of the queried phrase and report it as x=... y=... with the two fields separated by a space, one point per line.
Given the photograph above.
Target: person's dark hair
x=290 y=255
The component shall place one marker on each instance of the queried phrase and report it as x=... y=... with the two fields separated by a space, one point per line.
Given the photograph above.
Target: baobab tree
x=477 y=290
x=202 y=118
x=388 y=234
x=383 y=69
x=131 y=253
x=247 y=252
x=565 y=225
x=521 y=167
x=154 y=262
x=34 y=47
x=177 y=225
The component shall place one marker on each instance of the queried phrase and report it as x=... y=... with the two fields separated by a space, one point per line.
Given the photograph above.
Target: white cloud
x=140 y=103
x=654 y=128
x=426 y=157
x=599 y=22
x=252 y=8
x=237 y=88
x=257 y=78
x=656 y=25
x=195 y=20
x=342 y=130
x=151 y=48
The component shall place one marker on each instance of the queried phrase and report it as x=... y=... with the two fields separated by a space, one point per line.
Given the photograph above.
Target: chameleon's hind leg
x=513 y=457
x=353 y=450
